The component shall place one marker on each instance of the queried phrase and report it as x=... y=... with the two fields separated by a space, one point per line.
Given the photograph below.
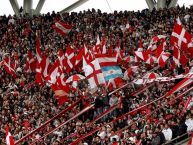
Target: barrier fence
x=47 y=122
x=140 y=107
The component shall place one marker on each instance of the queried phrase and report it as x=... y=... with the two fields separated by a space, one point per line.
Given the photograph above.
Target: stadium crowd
x=25 y=108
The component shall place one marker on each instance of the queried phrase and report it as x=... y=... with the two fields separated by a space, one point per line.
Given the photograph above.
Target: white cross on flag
x=9 y=66
x=94 y=74
x=70 y=58
x=181 y=38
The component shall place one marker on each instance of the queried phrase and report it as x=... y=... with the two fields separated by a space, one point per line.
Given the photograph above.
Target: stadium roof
x=104 y=5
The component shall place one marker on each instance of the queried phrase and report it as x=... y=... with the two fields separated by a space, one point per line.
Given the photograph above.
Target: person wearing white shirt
x=167 y=133
x=189 y=123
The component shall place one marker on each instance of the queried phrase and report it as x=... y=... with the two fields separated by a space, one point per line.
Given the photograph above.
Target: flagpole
x=72 y=118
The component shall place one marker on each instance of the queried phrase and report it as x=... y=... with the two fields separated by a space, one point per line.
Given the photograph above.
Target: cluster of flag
x=100 y=65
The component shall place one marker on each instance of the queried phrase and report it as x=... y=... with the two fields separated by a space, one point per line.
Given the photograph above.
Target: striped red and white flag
x=62 y=28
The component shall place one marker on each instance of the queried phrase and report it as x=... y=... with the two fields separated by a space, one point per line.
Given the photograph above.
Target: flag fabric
x=151 y=75
x=61 y=58
x=115 y=83
x=141 y=55
x=30 y=64
x=190 y=141
x=62 y=28
x=42 y=70
x=151 y=60
x=53 y=73
x=9 y=137
x=9 y=66
x=94 y=74
x=181 y=38
x=130 y=71
x=179 y=57
x=70 y=59
x=162 y=59
x=75 y=77
x=183 y=83
x=109 y=67
x=61 y=93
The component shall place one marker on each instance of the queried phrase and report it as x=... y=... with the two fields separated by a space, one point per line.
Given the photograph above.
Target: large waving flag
x=94 y=74
x=109 y=67
x=181 y=37
x=9 y=137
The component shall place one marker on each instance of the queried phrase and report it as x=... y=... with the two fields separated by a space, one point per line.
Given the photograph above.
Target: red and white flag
x=115 y=83
x=94 y=74
x=42 y=70
x=179 y=57
x=70 y=59
x=87 y=57
x=9 y=66
x=30 y=64
x=61 y=93
x=181 y=38
x=62 y=28
x=183 y=83
x=38 y=50
x=151 y=60
x=190 y=141
x=130 y=71
x=53 y=73
x=9 y=137
x=162 y=59
x=61 y=59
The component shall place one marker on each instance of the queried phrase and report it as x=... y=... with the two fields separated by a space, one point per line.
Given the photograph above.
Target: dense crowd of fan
x=25 y=109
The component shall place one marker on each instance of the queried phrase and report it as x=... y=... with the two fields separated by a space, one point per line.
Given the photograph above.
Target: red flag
x=94 y=74
x=162 y=59
x=62 y=60
x=42 y=70
x=61 y=94
x=190 y=141
x=115 y=83
x=9 y=137
x=70 y=59
x=183 y=83
x=53 y=73
x=30 y=64
x=179 y=57
x=62 y=28
x=181 y=37
x=9 y=66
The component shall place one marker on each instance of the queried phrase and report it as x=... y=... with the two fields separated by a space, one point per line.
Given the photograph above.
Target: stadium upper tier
x=28 y=9
x=34 y=92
